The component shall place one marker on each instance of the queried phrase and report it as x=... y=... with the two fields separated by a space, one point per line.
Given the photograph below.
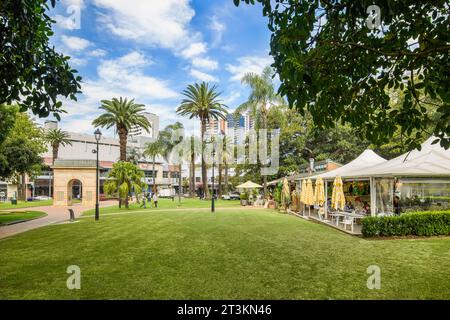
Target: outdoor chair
x=321 y=215
x=348 y=221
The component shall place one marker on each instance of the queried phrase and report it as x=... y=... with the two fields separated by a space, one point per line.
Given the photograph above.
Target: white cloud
x=151 y=22
x=75 y=43
x=205 y=63
x=202 y=76
x=98 y=53
x=125 y=75
x=218 y=28
x=120 y=77
x=194 y=49
x=248 y=64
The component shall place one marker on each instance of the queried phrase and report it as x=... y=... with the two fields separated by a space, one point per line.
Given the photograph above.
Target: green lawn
x=24 y=204
x=232 y=254
x=7 y=217
x=164 y=203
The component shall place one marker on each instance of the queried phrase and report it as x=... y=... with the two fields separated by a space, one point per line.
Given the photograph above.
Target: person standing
x=155 y=200
x=144 y=201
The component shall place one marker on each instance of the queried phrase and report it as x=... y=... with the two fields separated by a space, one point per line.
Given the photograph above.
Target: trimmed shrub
x=417 y=224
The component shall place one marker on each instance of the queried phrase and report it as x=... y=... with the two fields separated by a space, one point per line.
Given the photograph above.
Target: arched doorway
x=73 y=180
x=74 y=192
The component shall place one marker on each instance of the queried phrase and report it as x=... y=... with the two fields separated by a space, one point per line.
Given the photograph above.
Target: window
x=174 y=175
x=149 y=173
x=165 y=174
x=197 y=179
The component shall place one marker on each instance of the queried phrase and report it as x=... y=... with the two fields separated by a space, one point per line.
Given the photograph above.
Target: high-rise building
x=215 y=127
x=154 y=129
x=236 y=128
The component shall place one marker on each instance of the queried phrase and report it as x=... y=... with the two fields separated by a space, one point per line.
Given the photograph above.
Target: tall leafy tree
x=21 y=150
x=195 y=150
x=124 y=178
x=32 y=73
x=153 y=150
x=202 y=101
x=262 y=96
x=123 y=115
x=57 y=138
x=171 y=139
x=335 y=61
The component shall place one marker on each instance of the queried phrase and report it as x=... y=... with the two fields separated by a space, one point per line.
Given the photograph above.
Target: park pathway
x=54 y=215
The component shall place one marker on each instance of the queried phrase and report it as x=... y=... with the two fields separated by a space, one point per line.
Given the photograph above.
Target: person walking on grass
x=155 y=200
x=144 y=201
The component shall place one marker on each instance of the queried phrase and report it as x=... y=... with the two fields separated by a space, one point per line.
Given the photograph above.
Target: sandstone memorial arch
x=66 y=173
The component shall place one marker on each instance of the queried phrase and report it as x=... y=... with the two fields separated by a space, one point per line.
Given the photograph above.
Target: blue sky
x=151 y=50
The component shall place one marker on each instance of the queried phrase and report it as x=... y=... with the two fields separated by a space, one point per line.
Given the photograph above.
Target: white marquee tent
x=367 y=159
x=431 y=161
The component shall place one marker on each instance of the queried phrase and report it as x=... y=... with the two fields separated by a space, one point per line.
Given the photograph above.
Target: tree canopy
x=32 y=73
x=336 y=62
x=21 y=150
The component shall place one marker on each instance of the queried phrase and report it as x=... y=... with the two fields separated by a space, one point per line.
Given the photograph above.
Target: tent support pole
x=373 y=198
x=325 y=205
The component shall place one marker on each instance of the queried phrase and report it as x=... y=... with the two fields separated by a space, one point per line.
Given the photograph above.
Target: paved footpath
x=54 y=215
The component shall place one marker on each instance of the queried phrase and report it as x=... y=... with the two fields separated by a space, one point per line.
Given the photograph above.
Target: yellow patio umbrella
x=285 y=193
x=309 y=197
x=338 y=197
x=249 y=185
x=319 y=194
x=303 y=194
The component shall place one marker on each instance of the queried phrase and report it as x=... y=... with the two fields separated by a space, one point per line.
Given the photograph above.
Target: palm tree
x=227 y=157
x=57 y=138
x=262 y=95
x=123 y=179
x=152 y=150
x=195 y=151
x=171 y=138
x=124 y=115
x=202 y=101
x=134 y=155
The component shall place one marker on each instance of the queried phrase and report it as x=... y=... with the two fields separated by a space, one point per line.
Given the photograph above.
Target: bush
x=417 y=224
x=244 y=196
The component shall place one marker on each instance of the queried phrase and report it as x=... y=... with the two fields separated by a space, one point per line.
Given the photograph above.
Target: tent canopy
x=248 y=185
x=431 y=161
x=366 y=159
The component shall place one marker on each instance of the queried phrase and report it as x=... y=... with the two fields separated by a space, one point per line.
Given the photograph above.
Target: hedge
x=417 y=224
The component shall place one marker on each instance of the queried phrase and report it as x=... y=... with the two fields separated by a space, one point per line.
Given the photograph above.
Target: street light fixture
x=98 y=136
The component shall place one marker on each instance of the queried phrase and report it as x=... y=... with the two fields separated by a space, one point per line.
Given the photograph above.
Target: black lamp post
x=98 y=136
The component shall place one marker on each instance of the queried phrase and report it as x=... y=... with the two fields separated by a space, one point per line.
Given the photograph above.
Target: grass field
x=7 y=217
x=232 y=254
x=164 y=204
x=24 y=204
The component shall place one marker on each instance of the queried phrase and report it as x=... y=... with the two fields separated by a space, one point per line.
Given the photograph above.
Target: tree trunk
x=123 y=133
x=154 y=176
x=55 y=148
x=204 y=172
x=22 y=188
x=225 y=188
x=219 y=190
x=192 y=170
x=179 y=183
x=264 y=125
